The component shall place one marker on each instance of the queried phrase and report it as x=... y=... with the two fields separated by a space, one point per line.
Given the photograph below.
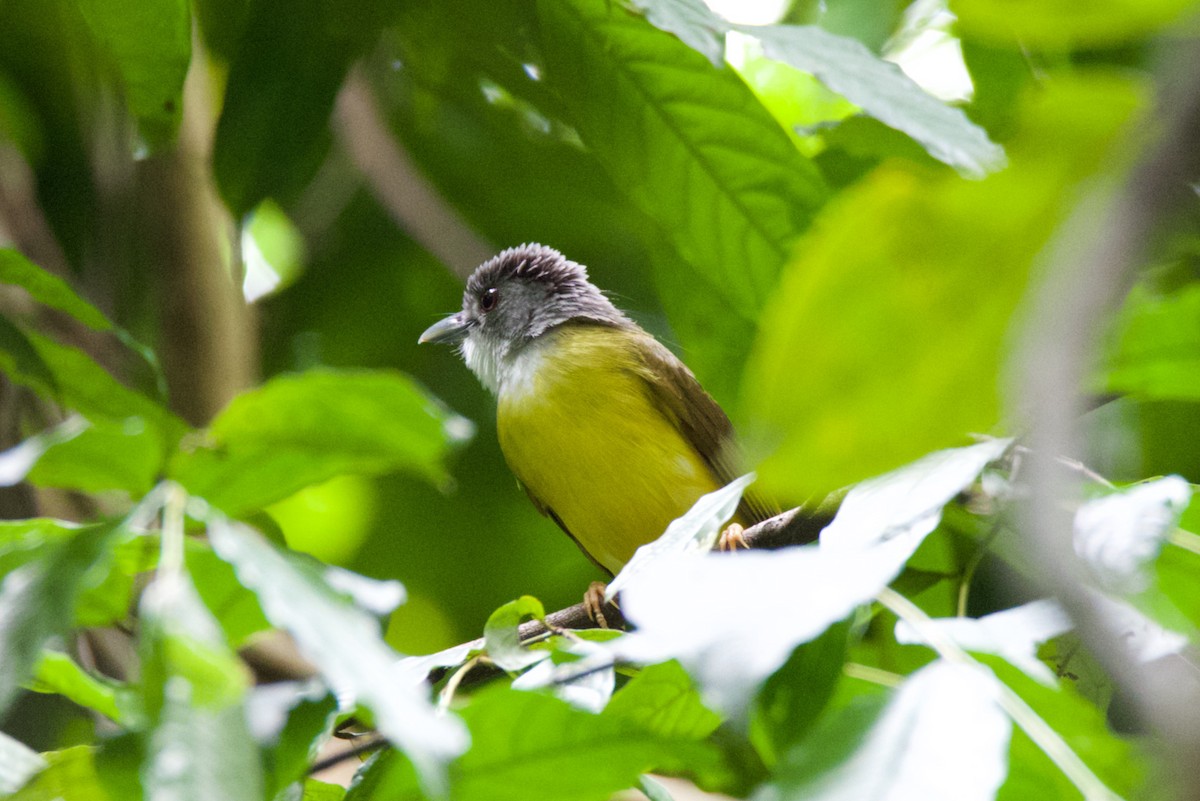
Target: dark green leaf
x=49 y=289
x=37 y=602
x=80 y=384
x=795 y=695
x=52 y=291
x=305 y=428
x=21 y=359
x=289 y=65
x=689 y=144
x=343 y=642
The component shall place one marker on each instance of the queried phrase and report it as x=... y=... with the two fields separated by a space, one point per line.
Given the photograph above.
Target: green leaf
x=502 y=639
x=1064 y=24
x=1083 y=727
x=343 y=642
x=693 y=22
x=531 y=746
x=18 y=357
x=80 y=384
x=57 y=673
x=16 y=462
x=49 y=289
x=37 y=602
x=69 y=776
x=943 y=728
x=150 y=42
x=292 y=59
x=792 y=699
x=866 y=334
x=309 y=718
x=689 y=144
x=104 y=455
x=193 y=688
x=322 y=791
x=236 y=608
x=1156 y=351
x=880 y=88
x=663 y=699
x=18 y=764
x=306 y=428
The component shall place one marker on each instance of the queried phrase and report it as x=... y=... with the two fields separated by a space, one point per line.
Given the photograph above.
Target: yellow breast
x=580 y=431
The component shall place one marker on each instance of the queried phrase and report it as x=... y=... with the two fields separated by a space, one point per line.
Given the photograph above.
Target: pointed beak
x=452 y=329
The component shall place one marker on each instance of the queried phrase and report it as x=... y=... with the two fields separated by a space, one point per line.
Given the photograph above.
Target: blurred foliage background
x=840 y=264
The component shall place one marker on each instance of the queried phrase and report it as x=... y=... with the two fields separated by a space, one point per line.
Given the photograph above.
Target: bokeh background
x=299 y=183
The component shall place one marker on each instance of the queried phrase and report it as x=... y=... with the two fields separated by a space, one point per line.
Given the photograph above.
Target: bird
x=608 y=432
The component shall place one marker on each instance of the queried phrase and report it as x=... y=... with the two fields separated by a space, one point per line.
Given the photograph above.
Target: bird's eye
x=489 y=299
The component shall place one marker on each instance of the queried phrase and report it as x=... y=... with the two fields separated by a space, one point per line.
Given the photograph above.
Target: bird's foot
x=732 y=538
x=593 y=602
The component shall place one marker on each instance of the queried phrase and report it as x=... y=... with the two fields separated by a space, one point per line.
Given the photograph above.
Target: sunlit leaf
x=1156 y=350
x=692 y=21
x=586 y=683
x=18 y=764
x=1013 y=634
x=1118 y=534
x=884 y=92
x=942 y=736
x=695 y=532
x=729 y=652
x=344 y=643
x=909 y=498
x=305 y=428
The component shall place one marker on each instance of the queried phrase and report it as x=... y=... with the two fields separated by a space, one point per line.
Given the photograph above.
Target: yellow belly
x=584 y=438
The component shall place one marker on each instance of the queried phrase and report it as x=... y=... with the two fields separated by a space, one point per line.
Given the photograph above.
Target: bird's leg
x=732 y=538
x=593 y=602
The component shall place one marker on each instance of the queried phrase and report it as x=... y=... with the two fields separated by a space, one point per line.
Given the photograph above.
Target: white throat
x=507 y=374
